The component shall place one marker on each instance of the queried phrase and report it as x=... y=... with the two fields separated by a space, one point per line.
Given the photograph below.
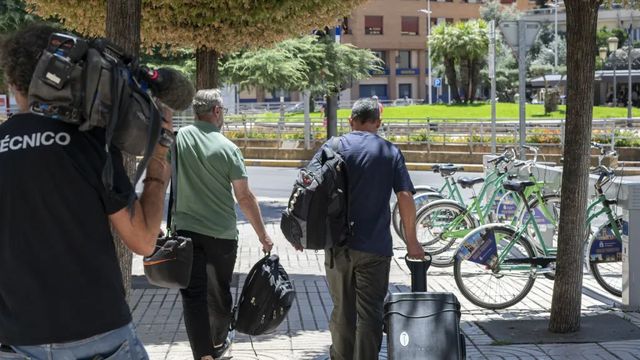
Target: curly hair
x=20 y=51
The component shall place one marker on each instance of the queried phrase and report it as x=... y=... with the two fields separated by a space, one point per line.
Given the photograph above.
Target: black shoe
x=219 y=351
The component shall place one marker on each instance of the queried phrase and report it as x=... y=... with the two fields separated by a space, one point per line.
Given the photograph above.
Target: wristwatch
x=167 y=138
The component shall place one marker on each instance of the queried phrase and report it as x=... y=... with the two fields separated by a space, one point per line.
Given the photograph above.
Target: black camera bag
x=170 y=264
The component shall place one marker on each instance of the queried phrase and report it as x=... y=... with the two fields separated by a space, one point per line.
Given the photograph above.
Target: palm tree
x=473 y=44
x=464 y=44
x=443 y=38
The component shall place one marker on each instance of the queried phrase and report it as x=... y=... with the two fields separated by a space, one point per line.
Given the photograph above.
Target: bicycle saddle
x=517 y=186
x=448 y=170
x=467 y=183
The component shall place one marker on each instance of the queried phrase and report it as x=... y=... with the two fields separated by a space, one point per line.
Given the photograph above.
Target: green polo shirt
x=207 y=164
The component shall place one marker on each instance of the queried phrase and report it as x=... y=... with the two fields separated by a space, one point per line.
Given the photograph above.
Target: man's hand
x=267 y=244
x=415 y=251
x=298 y=247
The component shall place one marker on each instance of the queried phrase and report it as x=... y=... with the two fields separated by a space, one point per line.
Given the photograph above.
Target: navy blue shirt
x=374 y=167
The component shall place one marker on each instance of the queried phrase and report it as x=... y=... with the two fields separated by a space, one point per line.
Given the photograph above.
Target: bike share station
x=627 y=194
x=605 y=247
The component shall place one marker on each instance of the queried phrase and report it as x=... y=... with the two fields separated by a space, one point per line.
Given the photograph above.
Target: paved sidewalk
x=157 y=313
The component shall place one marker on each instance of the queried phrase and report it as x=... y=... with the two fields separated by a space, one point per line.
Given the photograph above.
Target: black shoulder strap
x=173 y=190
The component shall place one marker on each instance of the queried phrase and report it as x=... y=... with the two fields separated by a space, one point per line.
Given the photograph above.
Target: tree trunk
x=123 y=28
x=465 y=77
x=450 y=71
x=582 y=16
x=207 y=74
x=475 y=79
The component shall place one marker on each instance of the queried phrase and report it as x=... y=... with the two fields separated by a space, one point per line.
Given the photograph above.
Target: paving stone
x=157 y=313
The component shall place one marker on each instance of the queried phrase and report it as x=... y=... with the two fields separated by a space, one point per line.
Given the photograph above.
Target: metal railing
x=432 y=131
x=474 y=133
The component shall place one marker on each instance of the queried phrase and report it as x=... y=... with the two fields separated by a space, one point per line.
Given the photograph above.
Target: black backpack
x=267 y=296
x=317 y=214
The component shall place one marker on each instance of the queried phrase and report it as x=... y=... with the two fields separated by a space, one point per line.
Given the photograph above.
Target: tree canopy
x=305 y=63
x=223 y=25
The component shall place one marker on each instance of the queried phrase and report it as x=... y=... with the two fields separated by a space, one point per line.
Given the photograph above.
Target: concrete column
x=392 y=87
x=422 y=77
x=260 y=94
x=355 y=91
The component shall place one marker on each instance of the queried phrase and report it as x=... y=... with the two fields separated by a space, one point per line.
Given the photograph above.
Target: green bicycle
x=496 y=265
x=442 y=224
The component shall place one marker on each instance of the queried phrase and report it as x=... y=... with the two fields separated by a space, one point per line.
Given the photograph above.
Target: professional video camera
x=93 y=83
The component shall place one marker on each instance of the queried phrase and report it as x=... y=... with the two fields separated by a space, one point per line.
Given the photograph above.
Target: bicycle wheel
x=440 y=225
x=421 y=198
x=606 y=267
x=502 y=285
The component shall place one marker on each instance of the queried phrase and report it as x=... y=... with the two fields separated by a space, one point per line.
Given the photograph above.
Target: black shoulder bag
x=170 y=264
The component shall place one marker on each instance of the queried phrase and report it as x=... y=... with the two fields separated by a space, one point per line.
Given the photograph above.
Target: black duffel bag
x=267 y=296
x=170 y=264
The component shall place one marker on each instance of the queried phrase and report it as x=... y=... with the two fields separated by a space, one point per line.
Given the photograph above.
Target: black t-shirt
x=59 y=274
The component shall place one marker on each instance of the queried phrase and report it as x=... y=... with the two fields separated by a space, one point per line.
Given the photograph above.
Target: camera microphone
x=171 y=87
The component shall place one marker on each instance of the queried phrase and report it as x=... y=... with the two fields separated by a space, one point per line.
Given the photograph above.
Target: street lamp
x=613 y=46
x=428 y=12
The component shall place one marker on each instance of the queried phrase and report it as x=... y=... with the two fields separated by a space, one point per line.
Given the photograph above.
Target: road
x=276 y=183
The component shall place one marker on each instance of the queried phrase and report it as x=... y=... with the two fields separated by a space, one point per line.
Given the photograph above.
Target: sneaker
x=219 y=351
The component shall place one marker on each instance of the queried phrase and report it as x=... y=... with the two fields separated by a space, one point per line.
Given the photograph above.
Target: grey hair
x=205 y=100
x=365 y=110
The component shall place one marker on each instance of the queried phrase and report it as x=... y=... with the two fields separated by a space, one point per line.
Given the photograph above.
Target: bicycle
x=448 y=190
x=443 y=223
x=496 y=265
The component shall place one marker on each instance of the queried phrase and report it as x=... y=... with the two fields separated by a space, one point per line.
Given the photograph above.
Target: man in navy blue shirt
x=359 y=277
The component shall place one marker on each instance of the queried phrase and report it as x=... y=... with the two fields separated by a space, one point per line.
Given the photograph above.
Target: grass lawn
x=461 y=112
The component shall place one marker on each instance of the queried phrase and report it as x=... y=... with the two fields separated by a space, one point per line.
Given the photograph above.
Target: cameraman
x=60 y=282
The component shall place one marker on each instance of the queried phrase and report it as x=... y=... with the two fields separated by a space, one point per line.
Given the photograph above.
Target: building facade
x=396 y=30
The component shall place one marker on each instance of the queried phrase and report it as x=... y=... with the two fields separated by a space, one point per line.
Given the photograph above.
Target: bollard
x=418 y=270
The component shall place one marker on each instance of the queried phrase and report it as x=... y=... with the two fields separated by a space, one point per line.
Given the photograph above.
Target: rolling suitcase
x=422 y=325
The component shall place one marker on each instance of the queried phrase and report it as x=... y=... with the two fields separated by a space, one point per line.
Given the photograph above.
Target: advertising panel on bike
x=507 y=208
x=480 y=247
x=606 y=247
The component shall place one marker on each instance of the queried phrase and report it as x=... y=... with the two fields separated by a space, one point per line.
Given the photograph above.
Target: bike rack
x=628 y=194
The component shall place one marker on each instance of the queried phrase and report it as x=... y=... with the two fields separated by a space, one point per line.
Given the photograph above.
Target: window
x=506 y=1
x=449 y=21
x=345 y=26
x=410 y=25
x=404 y=90
x=404 y=59
x=373 y=25
x=382 y=55
x=370 y=90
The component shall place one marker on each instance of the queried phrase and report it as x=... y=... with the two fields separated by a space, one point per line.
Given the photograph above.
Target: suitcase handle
x=418 y=268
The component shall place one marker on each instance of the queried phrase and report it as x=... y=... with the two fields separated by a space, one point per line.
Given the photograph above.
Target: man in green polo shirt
x=209 y=167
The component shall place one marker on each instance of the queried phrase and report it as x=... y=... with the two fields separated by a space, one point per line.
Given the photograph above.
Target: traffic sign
x=510 y=32
x=437 y=82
